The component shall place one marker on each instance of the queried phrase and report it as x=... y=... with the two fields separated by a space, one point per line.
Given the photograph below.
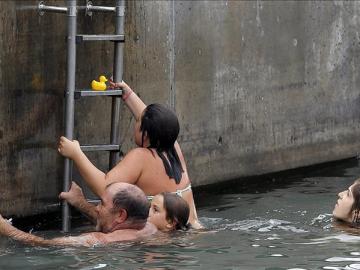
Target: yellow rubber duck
x=99 y=86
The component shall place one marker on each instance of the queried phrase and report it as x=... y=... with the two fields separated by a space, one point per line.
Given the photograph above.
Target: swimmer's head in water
x=159 y=128
x=122 y=206
x=356 y=205
x=169 y=212
x=347 y=207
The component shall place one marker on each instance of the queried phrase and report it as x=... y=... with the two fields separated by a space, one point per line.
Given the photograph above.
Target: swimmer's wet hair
x=356 y=205
x=134 y=201
x=177 y=210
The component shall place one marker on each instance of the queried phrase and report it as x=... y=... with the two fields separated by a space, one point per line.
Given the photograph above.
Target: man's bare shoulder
x=148 y=230
x=128 y=234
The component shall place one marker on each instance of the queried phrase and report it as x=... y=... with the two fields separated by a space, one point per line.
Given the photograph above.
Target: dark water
x=275 y=222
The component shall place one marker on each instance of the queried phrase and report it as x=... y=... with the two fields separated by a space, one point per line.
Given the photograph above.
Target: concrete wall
x=259 y=86
x=32 y=84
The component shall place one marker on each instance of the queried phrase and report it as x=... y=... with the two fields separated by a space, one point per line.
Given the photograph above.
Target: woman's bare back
x=154 y=180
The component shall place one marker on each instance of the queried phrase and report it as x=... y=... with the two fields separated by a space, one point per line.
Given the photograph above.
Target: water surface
x=272 y=222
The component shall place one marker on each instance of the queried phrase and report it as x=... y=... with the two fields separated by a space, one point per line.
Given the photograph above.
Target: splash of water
x=261 y=225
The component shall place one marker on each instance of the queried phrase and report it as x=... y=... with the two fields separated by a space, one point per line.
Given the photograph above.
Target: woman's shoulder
x=140 y=153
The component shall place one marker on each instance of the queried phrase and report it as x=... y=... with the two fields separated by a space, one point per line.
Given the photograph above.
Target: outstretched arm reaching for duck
x=131 y=99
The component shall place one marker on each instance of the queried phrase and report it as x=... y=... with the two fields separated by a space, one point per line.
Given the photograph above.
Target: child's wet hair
x=177 y=210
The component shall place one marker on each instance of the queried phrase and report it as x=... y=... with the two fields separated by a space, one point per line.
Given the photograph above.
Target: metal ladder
x=72 y=93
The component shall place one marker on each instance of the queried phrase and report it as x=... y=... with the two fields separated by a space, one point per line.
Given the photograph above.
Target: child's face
x=157 y=214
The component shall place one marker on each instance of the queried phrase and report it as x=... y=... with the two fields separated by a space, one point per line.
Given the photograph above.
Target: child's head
x=347 y=207
x=169 y=212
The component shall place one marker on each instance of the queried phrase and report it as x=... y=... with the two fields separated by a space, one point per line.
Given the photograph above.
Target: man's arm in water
x=76 y=198
x=89 y=239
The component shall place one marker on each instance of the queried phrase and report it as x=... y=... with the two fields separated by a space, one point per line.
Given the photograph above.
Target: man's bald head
x=132 y=199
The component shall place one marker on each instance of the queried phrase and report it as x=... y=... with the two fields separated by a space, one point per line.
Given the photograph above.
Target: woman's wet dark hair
x=356 y=205
x=161 y=126
x=177 y=210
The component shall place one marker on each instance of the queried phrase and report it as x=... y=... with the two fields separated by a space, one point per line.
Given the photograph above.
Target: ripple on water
x=353 y=266
x=346 y=238
x=342 y=259
x=261 y=225
x=322 y=220
x=277 y=255
x=212 y=223
x=347 y=267
x=98 y=266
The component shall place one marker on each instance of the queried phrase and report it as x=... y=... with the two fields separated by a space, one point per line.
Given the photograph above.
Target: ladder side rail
x=69 y=104
x=118 y=73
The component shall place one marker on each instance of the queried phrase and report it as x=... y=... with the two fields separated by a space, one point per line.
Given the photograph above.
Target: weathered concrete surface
x=32 y=84
x=259 y=86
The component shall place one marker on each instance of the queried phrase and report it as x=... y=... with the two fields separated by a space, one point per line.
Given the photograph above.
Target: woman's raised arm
x=131 y=99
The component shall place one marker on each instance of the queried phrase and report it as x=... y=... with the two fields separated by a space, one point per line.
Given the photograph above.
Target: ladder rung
x=91 y=93
x=118 y=38
x=100 y=147
x=93 y=201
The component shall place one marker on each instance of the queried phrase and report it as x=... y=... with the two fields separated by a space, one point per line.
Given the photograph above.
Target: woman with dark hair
x=347 y=207
x=156 y=166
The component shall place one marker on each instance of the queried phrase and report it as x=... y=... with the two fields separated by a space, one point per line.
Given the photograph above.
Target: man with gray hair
x=120 y=216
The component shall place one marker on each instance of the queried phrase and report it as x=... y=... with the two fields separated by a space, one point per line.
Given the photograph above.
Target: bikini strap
x=180 y=191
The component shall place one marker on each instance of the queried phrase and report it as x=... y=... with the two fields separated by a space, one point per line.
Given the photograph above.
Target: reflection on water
x=279 y=222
